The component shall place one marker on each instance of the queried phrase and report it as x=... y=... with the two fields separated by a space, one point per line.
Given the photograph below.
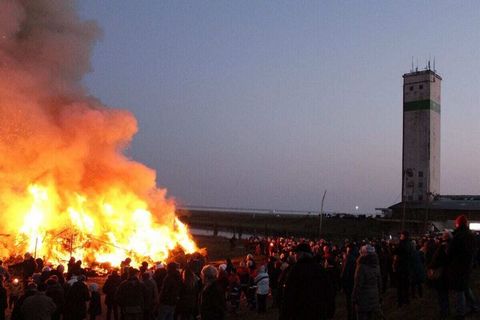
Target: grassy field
x=424 y=308
x=299 y=225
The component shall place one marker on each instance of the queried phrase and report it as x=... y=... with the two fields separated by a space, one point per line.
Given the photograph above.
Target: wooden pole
x=321 y=216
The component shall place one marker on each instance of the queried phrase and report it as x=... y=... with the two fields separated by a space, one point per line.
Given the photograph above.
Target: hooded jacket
x=367 y=284
x=262 y=281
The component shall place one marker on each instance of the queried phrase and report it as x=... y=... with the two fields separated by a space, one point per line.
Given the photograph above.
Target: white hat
x=367 y=249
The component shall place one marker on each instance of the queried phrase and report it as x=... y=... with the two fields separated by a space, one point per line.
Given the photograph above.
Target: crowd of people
x=362 y=271
x=303 y=278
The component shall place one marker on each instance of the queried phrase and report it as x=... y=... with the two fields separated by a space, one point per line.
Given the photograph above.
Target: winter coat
x=3 y=298
x=212 y=302
x=189 y=295
x=244 y=276
x=306 y=291
x=130 y=296
x=460 y=254
x=158 y=277
x=439 y=263
x=4 y=273
x=28 y=267
x=110 y=288
x=16 y=312
x=403 y=263
x=348 y=272
x=262 y=282
x=56 y=292
x=15 y=290
x=368 y=284
x=151 y=295
x=38 y=307
x=170 y=292
x=76 y=301
x=418 y=273
x=95 y=306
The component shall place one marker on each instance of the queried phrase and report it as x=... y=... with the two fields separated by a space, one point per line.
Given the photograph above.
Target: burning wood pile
x=66 y=187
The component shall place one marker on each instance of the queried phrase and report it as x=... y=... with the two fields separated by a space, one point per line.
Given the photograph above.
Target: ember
x=66 y=187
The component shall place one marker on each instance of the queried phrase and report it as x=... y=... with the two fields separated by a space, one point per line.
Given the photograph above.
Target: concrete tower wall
x=421 y=135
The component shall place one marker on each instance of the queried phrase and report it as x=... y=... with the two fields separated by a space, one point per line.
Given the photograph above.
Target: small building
x=440 y=208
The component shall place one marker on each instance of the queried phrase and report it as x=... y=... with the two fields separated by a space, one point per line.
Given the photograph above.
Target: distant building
x=421 y=199
x=441 y=207
x=421 y=135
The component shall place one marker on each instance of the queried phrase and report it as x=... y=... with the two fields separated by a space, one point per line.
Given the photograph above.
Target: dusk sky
x=265 y=104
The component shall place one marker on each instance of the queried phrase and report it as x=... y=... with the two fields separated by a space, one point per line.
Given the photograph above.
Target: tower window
x=420 y=198
x=420 y=184
x=411 y=88
x=420 y=87
x=420 y=174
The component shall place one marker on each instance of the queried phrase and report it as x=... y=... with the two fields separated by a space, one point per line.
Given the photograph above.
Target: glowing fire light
x=96 y=231
x=66 y=186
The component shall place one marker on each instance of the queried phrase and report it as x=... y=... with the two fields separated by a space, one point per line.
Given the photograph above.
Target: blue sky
x=265 y=104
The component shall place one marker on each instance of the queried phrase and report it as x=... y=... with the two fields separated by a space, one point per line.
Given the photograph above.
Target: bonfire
x=66 y=186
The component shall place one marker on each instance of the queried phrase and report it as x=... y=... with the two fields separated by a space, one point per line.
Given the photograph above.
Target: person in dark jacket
x=367 y=287
x=286 y=267
x=418 y=273
x=302 y=298
x=109 y=289
x=151 y=296
x=187 y=305
x=170 y=292
x=274 y=275
x=95 y=305
x=385 y=260
x=30 y=290
x=55 y=291
x=437 y=274
x=212 y=299
x=347 y=278
x=14 y=290
x=76 y=298
x=460 y=256
x=3 y=299
x=402 y=265
x=159 y=274
x=130 y=297
x=58 y=272
x=28 y=267
x=38 y=307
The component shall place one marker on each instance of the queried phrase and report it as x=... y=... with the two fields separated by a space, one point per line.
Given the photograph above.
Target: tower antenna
x=411 y=70
x=434 y=70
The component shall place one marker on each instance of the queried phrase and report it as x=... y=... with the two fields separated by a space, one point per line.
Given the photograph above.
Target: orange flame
x=66 y=187
x=105 y=229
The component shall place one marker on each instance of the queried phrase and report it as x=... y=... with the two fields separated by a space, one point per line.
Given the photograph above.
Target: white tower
x=421 y=135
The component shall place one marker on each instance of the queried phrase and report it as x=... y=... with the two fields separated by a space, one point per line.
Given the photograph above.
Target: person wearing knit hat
x=367 y=288
x=461 y=221
x=460 y=254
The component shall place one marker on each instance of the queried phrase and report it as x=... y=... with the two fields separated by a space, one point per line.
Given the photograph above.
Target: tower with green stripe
x=421 y=135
